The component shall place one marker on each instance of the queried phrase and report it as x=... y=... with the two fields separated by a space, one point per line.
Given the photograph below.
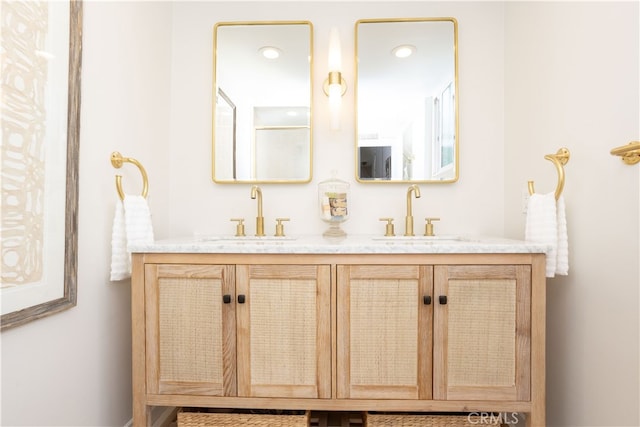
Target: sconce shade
x=335 y=86
x=335 y=52
x=335 y=105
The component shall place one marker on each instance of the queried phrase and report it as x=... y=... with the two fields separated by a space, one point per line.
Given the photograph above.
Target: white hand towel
x=542 y=226
x=562 y=264
x=131 y=225
x=120 y=262
x=137 y=219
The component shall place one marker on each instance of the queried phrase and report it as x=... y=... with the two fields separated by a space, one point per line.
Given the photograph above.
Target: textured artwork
x=24 y=115
x=41 y=49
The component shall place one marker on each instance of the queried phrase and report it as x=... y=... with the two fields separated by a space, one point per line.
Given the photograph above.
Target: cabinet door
x=284 y=330
x=384 y=329
x=482 y=332
x=190 y=329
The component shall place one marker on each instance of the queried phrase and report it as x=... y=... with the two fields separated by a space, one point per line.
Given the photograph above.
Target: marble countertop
x=356 y=244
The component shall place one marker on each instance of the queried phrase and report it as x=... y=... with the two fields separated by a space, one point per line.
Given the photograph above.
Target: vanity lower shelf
x=339 y=332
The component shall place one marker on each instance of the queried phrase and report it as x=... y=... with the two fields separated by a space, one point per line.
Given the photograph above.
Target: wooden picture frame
x=61 y=200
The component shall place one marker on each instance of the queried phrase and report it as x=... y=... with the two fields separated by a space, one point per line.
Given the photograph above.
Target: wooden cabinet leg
x=141 y=414
x=536 y=419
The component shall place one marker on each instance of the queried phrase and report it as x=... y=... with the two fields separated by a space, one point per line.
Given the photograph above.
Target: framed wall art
x=40 y=98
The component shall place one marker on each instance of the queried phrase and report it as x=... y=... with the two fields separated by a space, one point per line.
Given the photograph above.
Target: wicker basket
x=221 y=419
x=423 y=420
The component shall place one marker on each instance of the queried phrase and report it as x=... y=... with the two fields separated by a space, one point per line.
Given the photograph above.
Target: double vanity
x=349 y=323
x=363 y=323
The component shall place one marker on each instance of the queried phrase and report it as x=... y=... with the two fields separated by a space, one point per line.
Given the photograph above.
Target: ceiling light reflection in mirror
x=262 y=102
x=406 y=100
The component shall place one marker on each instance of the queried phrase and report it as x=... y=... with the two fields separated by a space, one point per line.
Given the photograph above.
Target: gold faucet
x=409 y=220
x=256 y=192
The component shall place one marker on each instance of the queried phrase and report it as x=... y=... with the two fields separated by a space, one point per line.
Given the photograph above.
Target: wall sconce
x=335 y=86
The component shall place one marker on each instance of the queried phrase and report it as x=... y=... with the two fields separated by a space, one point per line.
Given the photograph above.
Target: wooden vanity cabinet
x=238 y=330
x=470 y=323
x=344 y=332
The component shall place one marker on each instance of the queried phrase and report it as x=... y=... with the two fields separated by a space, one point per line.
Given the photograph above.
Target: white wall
x=199 y=205
x=572 y=79
x=73 y=368
x=147 y=81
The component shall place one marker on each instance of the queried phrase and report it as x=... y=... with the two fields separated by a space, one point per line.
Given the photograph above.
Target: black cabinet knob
x=426 y=299
x=241 y=299
x=226 y=298
x=442 y=299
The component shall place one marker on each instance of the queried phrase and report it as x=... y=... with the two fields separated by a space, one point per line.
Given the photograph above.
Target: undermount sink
x=421 y=239
x=251 y=239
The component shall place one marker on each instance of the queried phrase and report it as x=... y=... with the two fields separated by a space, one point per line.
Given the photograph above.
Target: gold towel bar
x=559 y=160
x=117 y=160
x=630 y=153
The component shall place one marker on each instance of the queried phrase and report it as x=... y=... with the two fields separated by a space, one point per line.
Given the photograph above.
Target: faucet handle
x=280 y=227
x=239 y=227
x=389 y=227
x=428 y=229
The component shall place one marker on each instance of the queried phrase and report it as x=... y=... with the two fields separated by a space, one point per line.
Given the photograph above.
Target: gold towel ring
x=117 y=160
x=559 y=160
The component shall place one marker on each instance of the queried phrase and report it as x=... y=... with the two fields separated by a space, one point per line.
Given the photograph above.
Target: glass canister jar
x=333 y=197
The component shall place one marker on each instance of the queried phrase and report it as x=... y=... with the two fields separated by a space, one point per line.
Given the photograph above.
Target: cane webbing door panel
x=190 y=329
x=384 y=331
x=284 y=330
x=482 y=328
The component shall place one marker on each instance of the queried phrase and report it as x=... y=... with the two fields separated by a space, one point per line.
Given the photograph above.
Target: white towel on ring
x=562 y=264
x=546 y=223
x=120 y=263
x=131 y=224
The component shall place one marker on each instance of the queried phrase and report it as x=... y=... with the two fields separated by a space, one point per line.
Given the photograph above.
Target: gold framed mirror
x=407 y=100
x=262 y=101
